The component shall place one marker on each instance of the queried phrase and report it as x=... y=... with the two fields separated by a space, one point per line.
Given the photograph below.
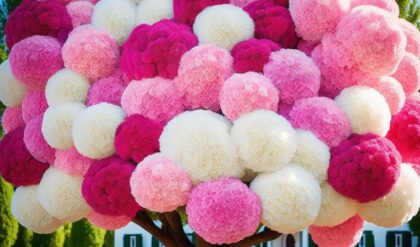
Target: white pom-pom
x=335 y=208
x=400 y=205
x=223 y=25
x=366 y=108
x=66 y=86
x=29 y=212
x=61 y=195
x=265 y=140
x=58 y=122
x=116 y=16
x=94 y=130
x=151 y=11
x=11 y=90
x=200 y=143
x=312 y=154
x=290 y=198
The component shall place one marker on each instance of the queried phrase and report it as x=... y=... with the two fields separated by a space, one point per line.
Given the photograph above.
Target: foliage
x=8 y=224
x=83 y=234
x=410 y=11
x=109 y=239
x=24 y=238
x=67 y=232
x=415 y=225
x=55 y=239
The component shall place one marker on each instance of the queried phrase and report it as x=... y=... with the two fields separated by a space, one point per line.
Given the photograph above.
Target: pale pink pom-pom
x=72 y=162
x=33 y=105
x=108 y=222
x=413 y=37
x=408 y=74
x=388 y=5
x=80 y=12
x=12 y=119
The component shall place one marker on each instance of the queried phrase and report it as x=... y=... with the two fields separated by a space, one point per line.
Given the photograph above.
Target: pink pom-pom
x=160 y=185
x=33 y=105
x=108 y=89
x=413 y=37
x=323 y=117
x=243 y=93
x=72 y=162
x=35 y=59
x=390 y=6
x=17 y=166
x=364 y=167
x=346 y=234
x=223 y=211
x=284 y=110
x=294 y=74
x=36 y=143
x=155 y=98
x=155 y=50
x=108 y=222
x=252 y=54
x=185 y=11
x=408 y=74
x=12 y=119
x=306 y=47
x=201 y=73
x=91 y=52
x=80 y=12
x=241 y=3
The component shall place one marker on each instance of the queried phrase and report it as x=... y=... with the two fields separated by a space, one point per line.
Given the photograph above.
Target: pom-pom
x=12 y=90
x=258 y=147
x=160 y=185
x=36 y=143
x=390 y=6
x=12 y=119
x=408 y=74
x=364 y=167
x=413 y=37
x=72 y=162
x=108 y=89
x=80 y=12
x=290 y=198
x=108 y=222
x=223 y=25
x=306 y=47
x=34 y=104
x=200 y=143
x=185 y=11
x=94 y=130
x=241 y=3
x=243 y=93
x=152 y=11
x=223 y=211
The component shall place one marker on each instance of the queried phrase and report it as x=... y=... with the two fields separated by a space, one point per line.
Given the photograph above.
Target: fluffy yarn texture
x=94 y=130
x=252 y=54
x=323 y=117
x=408 y=74
x=364 y=167
x=36 y=143
x=106 y=187
x=108 y=89
x=290 y=198
x=223 y=25
x=160 y=185
x=80 y=12
x=413 y=37
x=388 y=5
x=152 y=11
x=306 y=46
x=108 y=222
x=243 y=93
x=72 y=162
x=155 y=50
x=186 y=11
x=294 y=74
x=200 y=143
x=137 y=137
x=265 y=141
x=34 y=104
x=12 y=119
x=13 y=90
x=223 y=211
x=34 y=59
x=241 y=3
x=201 y=74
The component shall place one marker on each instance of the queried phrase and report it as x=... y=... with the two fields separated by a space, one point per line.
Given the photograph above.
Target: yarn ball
x=155 y=50
x=94 y=130
x=12 y=119
x=137 y=137
x=80 y=12
x=243 y=93
x=294 y=74
x=413 y=37
x=366 y=109
x=408 y=74
x=388 y=5
x=152 y=11
x=155 y=98
x=364 y=167
x=223 y=211
x=199 y=142
x=17 y=166
x=265 y=141
x=36 y=143
x=29 y=212
x=108 y=89
x=290 y=198
x=252 y=54
x=306 y=46
x=160 y=185
x=71 y=162
x=108 y=222
x=34 y=104
x=346 y=234
x=91 y=52
x=106 y=187
x=37 y=18
x=34 y=59
x=58 y=123
x=223 y=25
x=60 y=194
x=13 y=90
x=66 y=86
x=322 y=117
x=400 y=205
x=186 y=11
x=201 y=74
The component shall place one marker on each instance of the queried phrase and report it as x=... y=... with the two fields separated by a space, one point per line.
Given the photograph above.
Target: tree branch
x=200 y=242
x=177 y=229
x=266 y=235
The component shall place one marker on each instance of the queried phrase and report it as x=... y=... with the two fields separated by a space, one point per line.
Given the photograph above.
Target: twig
x=266 y=235
x=143 y=220
x=177 y=229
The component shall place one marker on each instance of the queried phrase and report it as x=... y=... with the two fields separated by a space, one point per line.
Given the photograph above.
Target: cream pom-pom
x=66 y=86
x=200 y=143
x=151 y=11
x=12 y=90
x=94 y=130
x=312 y=154
x=290 y=198
x=116 y=16
x=223 y=25
x=29 y=212
x=265 y=140
x=57 y=124
x=366 y=109
x=400 y=205
x=335 y=208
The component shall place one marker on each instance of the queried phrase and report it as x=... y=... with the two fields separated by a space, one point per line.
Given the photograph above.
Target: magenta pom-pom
x=71 y=162
x=36 y=143
x=185 y=11
x=12 y=119
x=33 y=105
x=108 y=222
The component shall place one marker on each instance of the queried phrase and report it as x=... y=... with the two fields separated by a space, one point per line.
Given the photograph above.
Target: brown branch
x=200 y=242
x=143 y=220
x=266 y=235
x=177 y=229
